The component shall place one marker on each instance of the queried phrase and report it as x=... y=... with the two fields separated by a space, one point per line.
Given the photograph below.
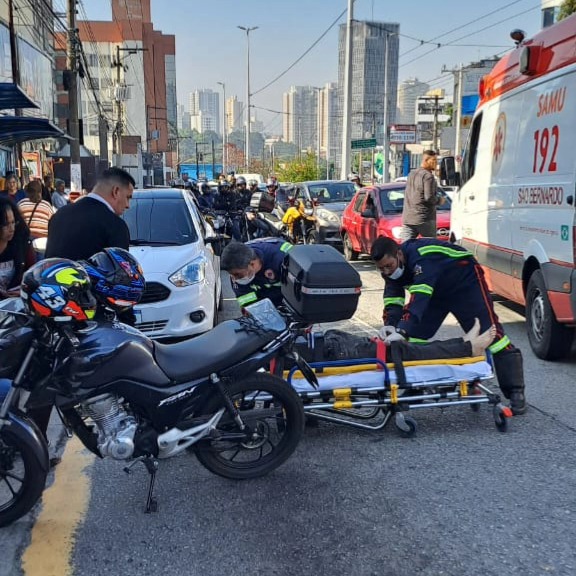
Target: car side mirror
x=368 y=213
x=217 y=242
x=448 y=174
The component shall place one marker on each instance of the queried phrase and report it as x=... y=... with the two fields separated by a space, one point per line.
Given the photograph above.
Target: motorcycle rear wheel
x=271 y=410
x=22 y=478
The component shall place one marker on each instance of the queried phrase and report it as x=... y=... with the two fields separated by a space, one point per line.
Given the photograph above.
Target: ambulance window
x=469 y=160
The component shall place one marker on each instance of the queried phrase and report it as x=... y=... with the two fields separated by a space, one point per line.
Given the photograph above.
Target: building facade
x=327 y=116
x=234 y=114
x=128 y=95
x=375 y=47
x=408 y=93
x=550 y=10
x=204 y=106
x=300 y=116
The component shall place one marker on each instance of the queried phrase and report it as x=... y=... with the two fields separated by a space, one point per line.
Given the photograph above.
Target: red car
x=377 y=211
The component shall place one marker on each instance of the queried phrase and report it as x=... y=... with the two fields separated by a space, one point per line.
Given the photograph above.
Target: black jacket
x=79 y=230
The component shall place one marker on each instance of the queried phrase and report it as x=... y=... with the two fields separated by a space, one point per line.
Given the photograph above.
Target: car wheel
x=349 y=253
x=548 y=338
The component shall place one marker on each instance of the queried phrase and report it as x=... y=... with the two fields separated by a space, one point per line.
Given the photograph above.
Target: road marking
x=64 y=506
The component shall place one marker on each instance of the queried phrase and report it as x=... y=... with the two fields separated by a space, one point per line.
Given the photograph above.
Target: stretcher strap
x=396 y=357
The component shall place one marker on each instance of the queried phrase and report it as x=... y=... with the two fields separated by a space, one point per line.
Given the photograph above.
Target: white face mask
x=397 y=273
x=245 y=280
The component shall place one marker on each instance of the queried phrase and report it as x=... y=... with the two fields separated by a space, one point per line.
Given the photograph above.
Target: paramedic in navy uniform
x=443 y=278
x=254 y=269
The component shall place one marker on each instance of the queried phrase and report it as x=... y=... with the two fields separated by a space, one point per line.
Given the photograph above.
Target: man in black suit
x=80 y=230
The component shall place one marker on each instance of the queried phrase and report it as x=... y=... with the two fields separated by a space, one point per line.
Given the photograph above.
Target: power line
x=460 y=27
x=468 y=35
x=303 y=55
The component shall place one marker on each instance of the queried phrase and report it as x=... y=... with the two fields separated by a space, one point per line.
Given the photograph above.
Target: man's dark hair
x=236 y=256
x=118 y=176
x=383 y=247
x=429 y=153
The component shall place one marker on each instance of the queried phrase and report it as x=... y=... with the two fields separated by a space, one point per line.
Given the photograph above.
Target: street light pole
x=347 y=113
x=224 y=130
x=248 y=29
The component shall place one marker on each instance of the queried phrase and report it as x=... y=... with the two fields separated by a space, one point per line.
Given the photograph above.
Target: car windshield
x=332 y=192
x=392 y=199
x=160 y=222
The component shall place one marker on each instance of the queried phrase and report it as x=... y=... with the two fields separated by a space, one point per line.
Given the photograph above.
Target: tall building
x=327 y=117
x=129 y=90
x=205 y=110
x=300 y=121
x=234 y=114
x=375 y=48
x=408 y=93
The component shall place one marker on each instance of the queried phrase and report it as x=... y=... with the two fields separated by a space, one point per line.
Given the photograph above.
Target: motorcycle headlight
x=191 y=273
x=397 y=232
x=324 y=214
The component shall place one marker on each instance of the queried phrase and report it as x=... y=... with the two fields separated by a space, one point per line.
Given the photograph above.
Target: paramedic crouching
x=255 y=268
x=443 y=278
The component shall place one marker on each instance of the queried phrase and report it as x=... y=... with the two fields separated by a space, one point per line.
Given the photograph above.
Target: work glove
x=389 y=334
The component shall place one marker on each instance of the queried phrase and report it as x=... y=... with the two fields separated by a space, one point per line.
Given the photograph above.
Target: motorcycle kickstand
x=151 y=502
x=151 y=465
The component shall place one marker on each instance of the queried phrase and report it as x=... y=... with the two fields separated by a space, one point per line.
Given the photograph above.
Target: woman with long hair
x=15 y=254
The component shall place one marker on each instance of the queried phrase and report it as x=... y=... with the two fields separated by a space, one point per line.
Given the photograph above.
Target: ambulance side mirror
x=448 y=174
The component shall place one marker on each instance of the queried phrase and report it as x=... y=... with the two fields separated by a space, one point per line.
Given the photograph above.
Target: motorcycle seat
x=224 y=346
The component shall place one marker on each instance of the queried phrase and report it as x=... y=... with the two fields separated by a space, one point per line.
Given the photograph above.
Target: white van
x=515 y=208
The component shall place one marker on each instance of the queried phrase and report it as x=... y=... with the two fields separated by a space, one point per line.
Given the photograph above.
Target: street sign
x=366 y=143
x=403 y=134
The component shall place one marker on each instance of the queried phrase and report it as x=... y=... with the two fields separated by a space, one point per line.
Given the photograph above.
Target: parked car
x=329 y=198
x=178 y=251
x=377 y=211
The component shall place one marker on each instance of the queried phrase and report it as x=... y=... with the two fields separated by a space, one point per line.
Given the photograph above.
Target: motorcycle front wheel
x=22 y=478
x=273 y=416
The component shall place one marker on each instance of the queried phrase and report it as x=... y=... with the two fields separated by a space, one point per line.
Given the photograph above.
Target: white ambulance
x=515 y=208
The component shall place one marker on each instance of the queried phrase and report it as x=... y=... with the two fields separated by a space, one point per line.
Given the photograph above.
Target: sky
x=211 y=49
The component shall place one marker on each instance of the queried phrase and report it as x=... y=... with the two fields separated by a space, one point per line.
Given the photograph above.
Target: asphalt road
x=458 y=499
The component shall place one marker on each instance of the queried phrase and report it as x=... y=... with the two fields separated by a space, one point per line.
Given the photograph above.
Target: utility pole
x=458 y=143
x=347 y=115
x=435 y=133
x=119 y=96
x=74 y=124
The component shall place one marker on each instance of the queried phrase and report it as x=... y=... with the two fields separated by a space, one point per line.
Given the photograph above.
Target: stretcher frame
x=390 y=401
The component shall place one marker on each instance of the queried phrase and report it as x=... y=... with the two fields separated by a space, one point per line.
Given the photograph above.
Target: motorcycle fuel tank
x=112 y=352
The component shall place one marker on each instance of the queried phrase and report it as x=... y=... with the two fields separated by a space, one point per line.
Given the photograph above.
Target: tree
x=299 y=170
x=568 y=7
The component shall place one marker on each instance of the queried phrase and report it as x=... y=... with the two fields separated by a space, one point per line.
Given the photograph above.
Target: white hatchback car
x=176 y=248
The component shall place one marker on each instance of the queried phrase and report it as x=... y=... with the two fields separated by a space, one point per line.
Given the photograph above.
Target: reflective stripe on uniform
x=394 y=301
x=286 y=246
x=450 y=252
x=499 y=345
x=417 y=341
x=421 y=289
x=247 y=298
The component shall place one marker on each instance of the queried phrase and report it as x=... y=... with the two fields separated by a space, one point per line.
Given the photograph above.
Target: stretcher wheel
x=501 y=418
x=406 y=425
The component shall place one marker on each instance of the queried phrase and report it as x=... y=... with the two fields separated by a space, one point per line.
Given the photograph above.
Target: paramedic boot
x=510 y=372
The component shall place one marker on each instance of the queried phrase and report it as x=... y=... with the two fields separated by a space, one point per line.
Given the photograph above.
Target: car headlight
x=324 y=214
x=397 y=232
x=190 y=273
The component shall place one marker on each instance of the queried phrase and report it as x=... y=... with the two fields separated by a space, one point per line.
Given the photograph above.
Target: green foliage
x=568 y=7
x=299 y=169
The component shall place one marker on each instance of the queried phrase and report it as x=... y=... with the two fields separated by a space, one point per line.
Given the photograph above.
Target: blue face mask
x=397 y=274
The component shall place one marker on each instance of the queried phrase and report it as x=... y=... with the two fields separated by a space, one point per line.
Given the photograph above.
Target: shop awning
x=18 y=129
x=12 y=96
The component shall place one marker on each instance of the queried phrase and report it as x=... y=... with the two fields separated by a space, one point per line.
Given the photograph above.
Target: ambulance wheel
x=500 y=419
x=349 y=253
x=549 y=339
x=406 y=425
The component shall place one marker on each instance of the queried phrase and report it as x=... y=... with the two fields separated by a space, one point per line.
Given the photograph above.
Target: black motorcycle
x=132 y=399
